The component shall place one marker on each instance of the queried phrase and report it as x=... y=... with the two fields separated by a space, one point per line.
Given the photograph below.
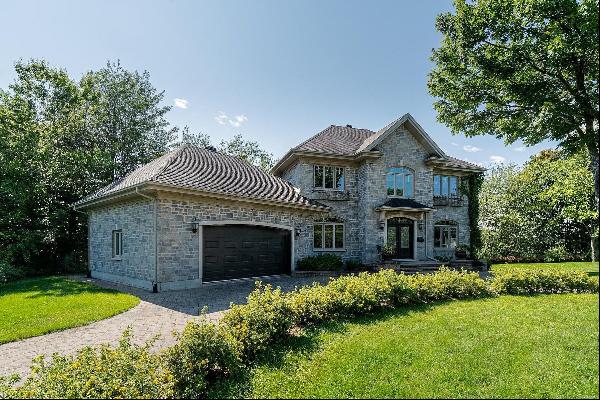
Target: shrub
x=349 y=295
x=203 y=354
x=9 y=273
x=557 y=254
x=125 y=371
x=265 y=319
x=448 y=284
x=322 y=262
x=355 y=265
x=520 y=282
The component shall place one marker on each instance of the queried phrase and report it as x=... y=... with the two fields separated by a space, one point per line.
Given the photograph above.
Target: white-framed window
x=400 y=182
x=445 y=234
x=117 y=244
x=445 y=185
x=328 y=236
x=328 y=177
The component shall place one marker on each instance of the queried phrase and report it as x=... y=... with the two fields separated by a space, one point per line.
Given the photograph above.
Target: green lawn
x=32 y=307
x=539 y=346
x=590 y=267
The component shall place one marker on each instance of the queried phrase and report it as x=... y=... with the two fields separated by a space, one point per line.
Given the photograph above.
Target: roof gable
x=411 y=124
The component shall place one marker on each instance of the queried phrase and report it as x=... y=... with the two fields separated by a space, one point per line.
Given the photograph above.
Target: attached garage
x=244 y=251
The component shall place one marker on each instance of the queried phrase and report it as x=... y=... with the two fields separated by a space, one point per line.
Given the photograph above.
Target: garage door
x=244 y=251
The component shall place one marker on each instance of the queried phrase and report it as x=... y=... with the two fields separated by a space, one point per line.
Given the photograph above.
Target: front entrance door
x=400 y=238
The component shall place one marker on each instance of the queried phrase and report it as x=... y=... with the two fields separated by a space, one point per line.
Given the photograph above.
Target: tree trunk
x=594 y=165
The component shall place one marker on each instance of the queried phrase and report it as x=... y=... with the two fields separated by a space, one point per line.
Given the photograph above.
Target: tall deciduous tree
x=60 y=140
x=541 y=211
x=521 y=69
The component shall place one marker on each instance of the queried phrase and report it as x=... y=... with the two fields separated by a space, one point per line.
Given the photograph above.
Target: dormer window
x=400 y=182
x=328 y=177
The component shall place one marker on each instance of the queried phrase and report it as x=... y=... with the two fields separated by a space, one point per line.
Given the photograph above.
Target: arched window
x=400 y=182
x=445 y=234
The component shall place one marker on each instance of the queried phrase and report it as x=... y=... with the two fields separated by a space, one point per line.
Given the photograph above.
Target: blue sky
x=276 y=71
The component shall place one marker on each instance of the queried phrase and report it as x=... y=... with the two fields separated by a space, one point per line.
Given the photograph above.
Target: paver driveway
x=157 y=314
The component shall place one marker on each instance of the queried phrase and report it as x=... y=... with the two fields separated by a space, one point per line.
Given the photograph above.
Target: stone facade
x=365 y=191
x=135 y=220
x=161 y=251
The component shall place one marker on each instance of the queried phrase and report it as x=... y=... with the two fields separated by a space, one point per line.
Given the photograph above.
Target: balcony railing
x=452 y=201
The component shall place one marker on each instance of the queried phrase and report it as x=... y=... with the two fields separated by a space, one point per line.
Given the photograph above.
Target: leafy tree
x=61 y=140
x=544 y=210
x=521 y=69
x=125 y=115
x=247 y=150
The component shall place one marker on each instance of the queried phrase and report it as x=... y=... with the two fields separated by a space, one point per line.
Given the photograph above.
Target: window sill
x=328 y=190
x=329 y=250
x=116 y=258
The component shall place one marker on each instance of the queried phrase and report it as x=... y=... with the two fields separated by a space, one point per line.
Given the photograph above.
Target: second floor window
x=328 y=177
x=445 y=186
x=400 y=182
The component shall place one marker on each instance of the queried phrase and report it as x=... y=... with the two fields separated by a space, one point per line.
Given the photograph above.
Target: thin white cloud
x=181 y=103
x=454 y=144
x=221 y=118
x=471 y=149
x=238 y=120
x=497 y=159
x=522 y=148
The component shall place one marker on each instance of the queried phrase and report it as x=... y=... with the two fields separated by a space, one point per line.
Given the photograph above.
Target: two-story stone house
x=195 y=215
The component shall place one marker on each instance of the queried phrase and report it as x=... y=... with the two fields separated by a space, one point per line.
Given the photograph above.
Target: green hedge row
x=207 y=352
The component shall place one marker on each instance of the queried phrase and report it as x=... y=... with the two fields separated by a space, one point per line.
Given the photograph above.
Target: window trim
x=117 y=243
x=334 y=168
x=323 y=248
x=447 y=225
x=411 y=173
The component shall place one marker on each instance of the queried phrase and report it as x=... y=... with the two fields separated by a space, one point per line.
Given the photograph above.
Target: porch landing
x=427 y=267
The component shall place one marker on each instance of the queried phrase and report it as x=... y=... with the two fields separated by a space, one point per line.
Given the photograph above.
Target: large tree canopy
x=521 y=69
x=62 y=139
x=543 y=211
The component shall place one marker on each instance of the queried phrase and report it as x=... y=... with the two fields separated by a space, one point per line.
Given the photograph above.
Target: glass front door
x=400 y=238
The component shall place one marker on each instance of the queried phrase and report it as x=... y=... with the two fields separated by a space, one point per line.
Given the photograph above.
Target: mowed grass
x=540 y=346
x=590 y=267
x=33 y=307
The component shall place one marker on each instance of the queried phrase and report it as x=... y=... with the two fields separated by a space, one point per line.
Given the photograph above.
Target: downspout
x=155 y=202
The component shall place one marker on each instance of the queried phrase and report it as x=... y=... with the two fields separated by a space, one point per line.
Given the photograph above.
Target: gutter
x=155 y=202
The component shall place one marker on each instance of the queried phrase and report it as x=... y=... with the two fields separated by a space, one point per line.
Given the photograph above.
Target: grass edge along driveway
x=36 y=306
x=510 y=346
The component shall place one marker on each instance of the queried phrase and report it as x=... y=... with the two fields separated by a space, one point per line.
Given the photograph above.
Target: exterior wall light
x=382 y=224
x=420 y=225
x=195 y=224
x=297 y=231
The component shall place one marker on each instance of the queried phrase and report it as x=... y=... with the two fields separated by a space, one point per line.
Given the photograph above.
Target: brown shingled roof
x=336 y=140
x=200 y=169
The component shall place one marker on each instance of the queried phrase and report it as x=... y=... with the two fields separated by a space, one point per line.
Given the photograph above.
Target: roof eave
x=413 y=209
x=292 y=156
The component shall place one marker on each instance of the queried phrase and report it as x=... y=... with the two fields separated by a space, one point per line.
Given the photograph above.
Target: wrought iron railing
x=452 y=201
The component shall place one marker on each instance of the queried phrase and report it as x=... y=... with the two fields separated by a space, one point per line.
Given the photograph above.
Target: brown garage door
x=244 y=251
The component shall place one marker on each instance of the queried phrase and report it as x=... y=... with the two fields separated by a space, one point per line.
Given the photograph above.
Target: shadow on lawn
x=305 y=343
x=51 y=287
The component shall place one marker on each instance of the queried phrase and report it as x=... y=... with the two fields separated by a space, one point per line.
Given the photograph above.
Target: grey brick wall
x=136 y=221
x=366 y=190
x=178 y=246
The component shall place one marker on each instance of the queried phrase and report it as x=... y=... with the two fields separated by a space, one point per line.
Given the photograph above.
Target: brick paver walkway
x=157 y=314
